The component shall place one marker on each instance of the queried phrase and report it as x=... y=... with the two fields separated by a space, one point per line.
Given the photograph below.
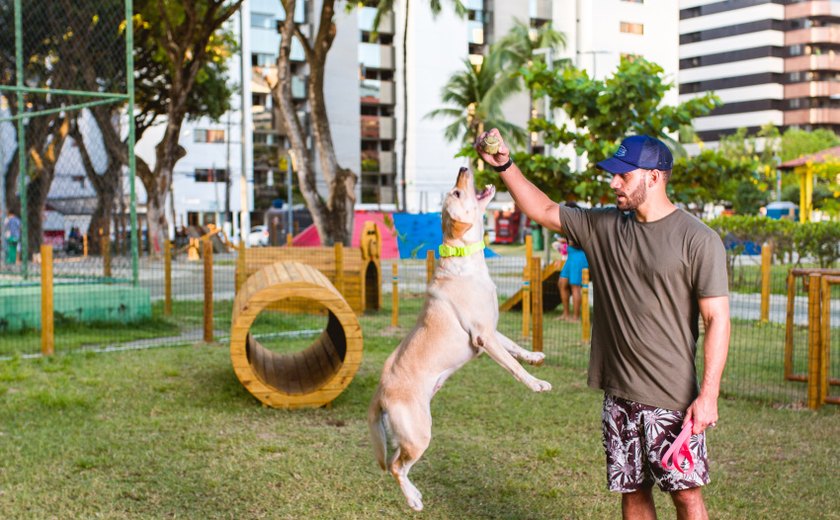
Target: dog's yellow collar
x=446 y=251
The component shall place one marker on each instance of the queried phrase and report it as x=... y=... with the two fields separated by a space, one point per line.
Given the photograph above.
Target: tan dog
x=457 y=323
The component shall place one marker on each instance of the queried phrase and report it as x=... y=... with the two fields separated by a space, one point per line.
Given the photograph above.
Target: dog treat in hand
x=490 y=144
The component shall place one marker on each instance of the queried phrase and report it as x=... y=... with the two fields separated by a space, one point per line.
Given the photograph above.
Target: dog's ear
x=453 y=228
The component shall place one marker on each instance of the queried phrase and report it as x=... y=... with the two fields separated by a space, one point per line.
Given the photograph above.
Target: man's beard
x=634 y=199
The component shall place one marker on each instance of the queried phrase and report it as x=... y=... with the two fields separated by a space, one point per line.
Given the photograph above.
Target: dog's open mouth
x=488 y=191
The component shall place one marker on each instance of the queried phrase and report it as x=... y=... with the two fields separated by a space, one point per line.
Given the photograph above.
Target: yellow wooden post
x=208 y=291
x=85 y=245
x=167 y=278
x=47 y=317
x=395 y=295
x=825 y=335
x=430 y=266
x=241 y=265
x=584 y=307
x=815 y=368
x=105 y=244
x=289 y=238
x=526 y=287
x=791 y=295
x=339 y=267
x=536 y=306
x=766 y=256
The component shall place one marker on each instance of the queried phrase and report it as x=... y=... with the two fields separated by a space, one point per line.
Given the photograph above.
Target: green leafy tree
x=601 y=113
x=185 y=48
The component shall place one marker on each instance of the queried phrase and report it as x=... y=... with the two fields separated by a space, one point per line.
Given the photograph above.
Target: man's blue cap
x=639 y=151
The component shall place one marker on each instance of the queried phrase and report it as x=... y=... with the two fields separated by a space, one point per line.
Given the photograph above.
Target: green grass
x=171 y=433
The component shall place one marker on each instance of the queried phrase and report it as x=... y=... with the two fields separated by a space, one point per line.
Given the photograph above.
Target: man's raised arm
x=528 y=197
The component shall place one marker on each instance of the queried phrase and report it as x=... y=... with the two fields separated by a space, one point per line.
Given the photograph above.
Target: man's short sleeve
x=576 y=224
x=708 y=267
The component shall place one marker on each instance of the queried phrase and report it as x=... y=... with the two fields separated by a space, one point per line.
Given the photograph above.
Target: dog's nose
x=463 y=170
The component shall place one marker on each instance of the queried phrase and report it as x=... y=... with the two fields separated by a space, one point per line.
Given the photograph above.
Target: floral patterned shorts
x=636 y=436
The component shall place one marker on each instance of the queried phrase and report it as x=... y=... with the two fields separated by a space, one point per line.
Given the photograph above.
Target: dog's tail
x=377 y=418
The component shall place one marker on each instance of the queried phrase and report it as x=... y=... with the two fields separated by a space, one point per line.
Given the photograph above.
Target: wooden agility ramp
x=550 y=292
x=313 y=377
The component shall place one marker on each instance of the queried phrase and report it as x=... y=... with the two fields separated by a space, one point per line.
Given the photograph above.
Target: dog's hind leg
x=532 y=358
x=413 y=431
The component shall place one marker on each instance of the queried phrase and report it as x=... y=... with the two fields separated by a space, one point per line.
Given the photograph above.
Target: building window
x=262 y=20
x=209 y=136
x=632 y=28
x=211 y=175
x=261 y=59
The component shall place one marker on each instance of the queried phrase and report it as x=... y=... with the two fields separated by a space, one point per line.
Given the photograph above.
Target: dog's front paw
x=535 y=358
x=538 y=385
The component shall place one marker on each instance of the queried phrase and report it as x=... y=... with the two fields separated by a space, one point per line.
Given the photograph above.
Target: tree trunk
x=333 y=217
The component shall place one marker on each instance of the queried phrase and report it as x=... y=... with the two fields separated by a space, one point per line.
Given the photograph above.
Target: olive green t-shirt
x=647 y=280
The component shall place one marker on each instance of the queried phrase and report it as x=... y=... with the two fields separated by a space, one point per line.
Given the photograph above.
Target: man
x=11 y=231
x=655 y=268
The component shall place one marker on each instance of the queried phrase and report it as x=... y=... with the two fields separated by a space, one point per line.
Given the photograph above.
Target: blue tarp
x=418 y=233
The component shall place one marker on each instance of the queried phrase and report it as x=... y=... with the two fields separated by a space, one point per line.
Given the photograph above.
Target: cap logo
x=621 y=152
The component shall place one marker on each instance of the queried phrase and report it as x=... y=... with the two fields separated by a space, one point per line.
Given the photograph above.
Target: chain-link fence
x=762 y=341
x=67 y=163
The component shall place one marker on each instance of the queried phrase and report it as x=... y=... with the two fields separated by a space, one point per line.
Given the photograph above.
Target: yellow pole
x=536 y=306
x=241 y=263
x=584 y=307
x=339 y=267
x=791 y=295
x=766 y=256
x=526 y=287
x=47 y=317
x=289 y=239
x=395 y=295
x=167 y=278
x=430 y=266
x=208 y=291
x=825 y=335
x=85 y=245
x=815 y=368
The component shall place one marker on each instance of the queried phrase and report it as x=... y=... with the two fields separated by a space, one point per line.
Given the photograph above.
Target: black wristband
x=504 y=167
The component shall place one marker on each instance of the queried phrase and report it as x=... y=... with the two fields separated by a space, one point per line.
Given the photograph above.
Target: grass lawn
x=170 y=432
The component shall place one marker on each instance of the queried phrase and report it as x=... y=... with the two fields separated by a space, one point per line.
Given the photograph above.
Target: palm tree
x=474 y=97
x=517 y=47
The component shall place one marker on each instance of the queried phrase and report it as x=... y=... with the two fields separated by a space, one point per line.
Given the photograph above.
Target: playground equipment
x=551 y=295
x=355 y=272
x=817 y=283
x=318 y=374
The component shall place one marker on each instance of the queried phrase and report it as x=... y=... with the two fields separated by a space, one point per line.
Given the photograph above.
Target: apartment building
x=770 y=61
x=378 y=119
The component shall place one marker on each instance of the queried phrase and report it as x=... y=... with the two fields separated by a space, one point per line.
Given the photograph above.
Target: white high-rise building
x=365 y=94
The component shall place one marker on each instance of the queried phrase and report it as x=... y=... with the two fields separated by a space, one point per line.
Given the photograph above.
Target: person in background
x=570 y=282
x=11 y=233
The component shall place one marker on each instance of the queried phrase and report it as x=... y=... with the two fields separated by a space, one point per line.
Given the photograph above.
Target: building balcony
x=540 y=9
x=810 y=9
x=374 y=161
x=377 y=127
x=374 y=91
x=812 y=89
x=366 y=16
x=376 y=56
x=830 y=61
x=812 y=35
x=813 y=116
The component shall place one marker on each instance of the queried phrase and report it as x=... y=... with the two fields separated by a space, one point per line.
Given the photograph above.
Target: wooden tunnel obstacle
x=358 y=279
x=312 y=377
